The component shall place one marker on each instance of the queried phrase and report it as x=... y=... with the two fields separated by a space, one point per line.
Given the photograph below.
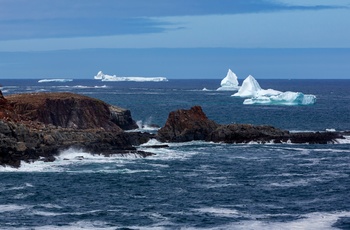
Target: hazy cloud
x=26 y=19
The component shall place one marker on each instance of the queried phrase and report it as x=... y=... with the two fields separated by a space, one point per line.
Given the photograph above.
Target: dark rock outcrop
x=68 y=110
x=186 y=125
x=192 y=124
x=244 y=133
x=39 y=126
x=122 y=117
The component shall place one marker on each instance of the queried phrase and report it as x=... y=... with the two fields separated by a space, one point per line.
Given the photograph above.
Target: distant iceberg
x=285 y=98
x=55 y=80
x=256 y=95
x=230 y=82
x=104 y=77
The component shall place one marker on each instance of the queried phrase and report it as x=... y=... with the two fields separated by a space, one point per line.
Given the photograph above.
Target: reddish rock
x=68 y=110
x=186 y=125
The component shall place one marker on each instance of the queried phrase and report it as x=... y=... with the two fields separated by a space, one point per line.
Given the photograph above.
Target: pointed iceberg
x=250 y=88
x=99 y=76
x=230 y=82
x=256 y=95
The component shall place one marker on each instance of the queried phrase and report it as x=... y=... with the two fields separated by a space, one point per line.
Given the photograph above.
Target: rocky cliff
x=38 y=126
x=193 y=124
x=68 y=110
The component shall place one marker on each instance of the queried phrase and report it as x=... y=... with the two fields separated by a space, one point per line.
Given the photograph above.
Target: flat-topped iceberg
x=256 y=95
x=285 y=98
x=230 y=82
x=104 y=77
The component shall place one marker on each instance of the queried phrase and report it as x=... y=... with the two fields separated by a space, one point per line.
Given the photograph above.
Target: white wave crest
x=223 y=212
x=344 y=141
x=55 y=80
x=318 y=220
x=71 y=159
x=146 y=126
x=12 y=208
x=152 y=142
x=90 y=87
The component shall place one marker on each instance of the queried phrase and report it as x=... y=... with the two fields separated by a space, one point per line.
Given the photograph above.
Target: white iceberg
x=285 y=98
x=256 y=95
x=104 y=77
x=230 y=82
x=251 y=88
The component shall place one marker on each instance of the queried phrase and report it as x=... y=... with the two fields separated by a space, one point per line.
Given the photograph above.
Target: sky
x=175 y=39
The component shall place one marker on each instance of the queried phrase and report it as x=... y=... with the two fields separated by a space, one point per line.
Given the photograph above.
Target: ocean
x=194 y=185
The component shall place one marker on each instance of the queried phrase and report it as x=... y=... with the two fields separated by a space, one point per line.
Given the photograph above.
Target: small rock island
x=187 y=125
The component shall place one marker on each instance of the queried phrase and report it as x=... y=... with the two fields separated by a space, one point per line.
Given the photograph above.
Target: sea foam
x=54 y=80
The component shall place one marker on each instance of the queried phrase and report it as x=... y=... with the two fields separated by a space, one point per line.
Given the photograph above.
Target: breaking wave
x=55 y=80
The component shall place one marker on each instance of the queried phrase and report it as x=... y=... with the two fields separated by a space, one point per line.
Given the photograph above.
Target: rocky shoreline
x=39 y=126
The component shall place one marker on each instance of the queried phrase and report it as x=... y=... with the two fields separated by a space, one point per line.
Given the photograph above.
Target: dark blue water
x=192 y=185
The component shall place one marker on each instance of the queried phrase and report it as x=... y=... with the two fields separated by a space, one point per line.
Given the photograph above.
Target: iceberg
x=251 y=88
x=285 y=98
x=230 y=82
x=256 y=95
x=104 y=77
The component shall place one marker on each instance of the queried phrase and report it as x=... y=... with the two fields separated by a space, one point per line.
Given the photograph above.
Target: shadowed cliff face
x=6 y=110
x=69 y=110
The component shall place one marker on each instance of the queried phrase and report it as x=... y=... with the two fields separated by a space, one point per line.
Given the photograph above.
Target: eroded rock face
x=122 y=117
x=186 y=125
x=68 y=110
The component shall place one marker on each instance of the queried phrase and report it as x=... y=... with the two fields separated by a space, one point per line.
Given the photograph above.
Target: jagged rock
x=244 y=133
x=122 y=117
x=315 y=137
x=193 y=124
x=186 y=125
